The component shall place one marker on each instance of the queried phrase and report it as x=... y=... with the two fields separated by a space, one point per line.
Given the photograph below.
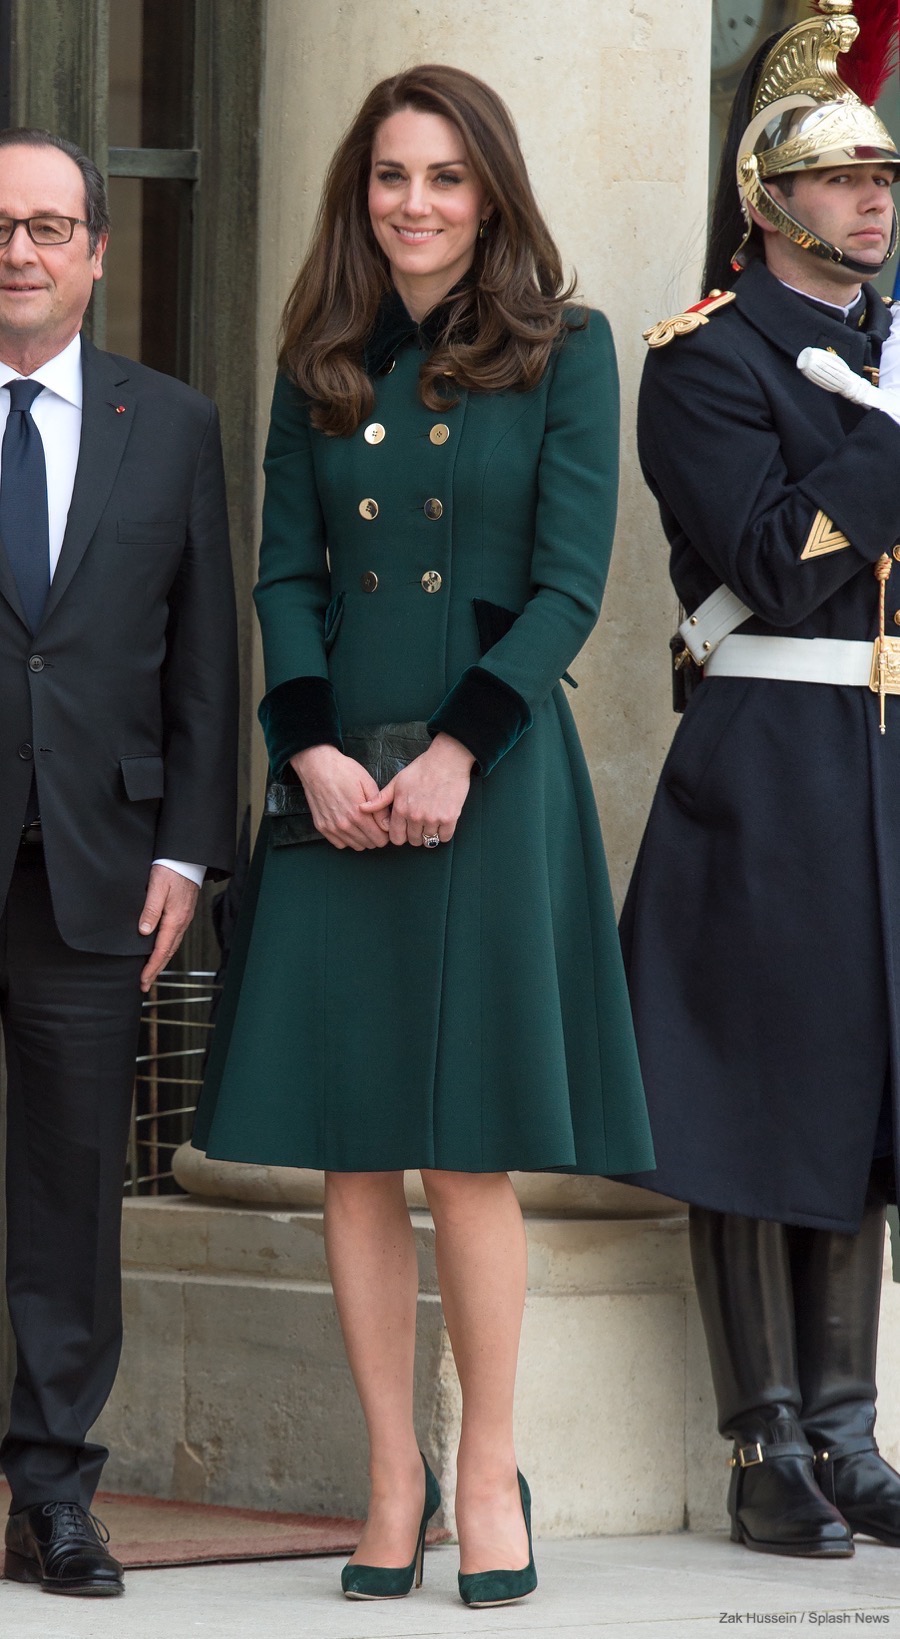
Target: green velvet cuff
x=299 y=713
x=484 y=714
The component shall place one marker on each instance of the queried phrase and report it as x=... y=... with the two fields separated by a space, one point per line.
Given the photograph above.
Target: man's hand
x=168 y=908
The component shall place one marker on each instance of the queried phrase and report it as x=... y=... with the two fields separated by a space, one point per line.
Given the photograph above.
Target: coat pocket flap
x=144 y=778
x=151 y=531
x=493 y=622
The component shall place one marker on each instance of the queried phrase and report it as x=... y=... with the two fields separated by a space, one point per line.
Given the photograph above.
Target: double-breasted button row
x=433 y=508
x=431 y=581
x=375 y=433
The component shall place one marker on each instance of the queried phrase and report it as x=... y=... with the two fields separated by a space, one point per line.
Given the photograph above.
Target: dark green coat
x=464 y=1007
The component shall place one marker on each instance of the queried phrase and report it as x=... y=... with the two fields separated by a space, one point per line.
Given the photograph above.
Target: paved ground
x=679 y=1587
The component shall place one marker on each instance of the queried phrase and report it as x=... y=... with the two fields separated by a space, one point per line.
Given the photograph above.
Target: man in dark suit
x=117 y=751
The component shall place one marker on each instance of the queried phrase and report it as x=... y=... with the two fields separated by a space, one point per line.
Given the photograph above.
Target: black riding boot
x=743 y=1278
x=837 y=1284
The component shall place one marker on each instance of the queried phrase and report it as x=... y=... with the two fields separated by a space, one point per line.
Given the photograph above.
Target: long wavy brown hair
x=502 y=326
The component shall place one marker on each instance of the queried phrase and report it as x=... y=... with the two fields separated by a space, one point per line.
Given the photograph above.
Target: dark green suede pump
x=479 y=1588
x=388 y=1581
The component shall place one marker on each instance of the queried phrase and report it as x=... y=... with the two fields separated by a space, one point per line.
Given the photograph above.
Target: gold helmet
x=805 y=117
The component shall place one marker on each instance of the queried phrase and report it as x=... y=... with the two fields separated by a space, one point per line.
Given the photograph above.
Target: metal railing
x=174 y=1040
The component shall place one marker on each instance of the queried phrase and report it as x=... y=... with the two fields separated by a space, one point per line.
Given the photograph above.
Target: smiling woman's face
x=425 y=205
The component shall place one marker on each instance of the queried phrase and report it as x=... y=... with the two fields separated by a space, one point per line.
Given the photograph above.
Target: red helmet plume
x=873 y=57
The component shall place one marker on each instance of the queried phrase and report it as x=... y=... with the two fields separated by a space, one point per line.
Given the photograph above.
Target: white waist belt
x=793 y=659
x=710 y=624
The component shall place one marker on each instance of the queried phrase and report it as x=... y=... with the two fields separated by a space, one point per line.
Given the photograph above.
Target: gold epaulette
x=659 y=335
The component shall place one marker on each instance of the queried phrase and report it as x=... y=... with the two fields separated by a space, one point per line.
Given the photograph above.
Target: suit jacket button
x=368 y=508
x=369 y=581
x=36 y=663
x=26 y=752
x=440 y=432
x=374 y=433
x=433 y=508
x=431 y=581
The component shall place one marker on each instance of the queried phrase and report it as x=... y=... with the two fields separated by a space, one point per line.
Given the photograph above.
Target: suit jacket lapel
x=107 y=414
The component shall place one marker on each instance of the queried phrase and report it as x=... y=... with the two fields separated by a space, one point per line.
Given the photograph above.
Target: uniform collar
x=786 y=318
x=852 y=313
x=395 y=328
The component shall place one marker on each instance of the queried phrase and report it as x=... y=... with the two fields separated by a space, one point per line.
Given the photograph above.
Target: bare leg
x=372 y=1261
x=481 y=1261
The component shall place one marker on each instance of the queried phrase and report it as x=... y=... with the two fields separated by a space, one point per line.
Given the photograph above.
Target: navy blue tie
x=24 y=521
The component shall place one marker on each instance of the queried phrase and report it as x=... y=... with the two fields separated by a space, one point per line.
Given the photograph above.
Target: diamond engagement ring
x=431 y=842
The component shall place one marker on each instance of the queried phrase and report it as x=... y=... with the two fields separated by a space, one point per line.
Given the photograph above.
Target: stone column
x=612 y=106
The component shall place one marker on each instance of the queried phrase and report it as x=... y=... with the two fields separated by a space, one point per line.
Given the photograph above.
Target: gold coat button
x=374 y=433
x=897 y=618
x=433 y=508
x=431 y=581
x=897 y=553
x=369 y=581
x=439 y=433
x=368 y=508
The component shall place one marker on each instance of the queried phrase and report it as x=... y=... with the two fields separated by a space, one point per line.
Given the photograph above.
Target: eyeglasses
x=41 y=230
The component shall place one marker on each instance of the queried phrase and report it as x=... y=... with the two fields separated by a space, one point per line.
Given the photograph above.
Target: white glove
x=828 y=370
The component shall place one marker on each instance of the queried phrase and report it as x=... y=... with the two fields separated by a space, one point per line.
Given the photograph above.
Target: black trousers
x=70 y=1022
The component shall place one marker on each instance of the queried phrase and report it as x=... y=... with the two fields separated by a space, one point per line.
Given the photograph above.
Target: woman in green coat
x=435 y=983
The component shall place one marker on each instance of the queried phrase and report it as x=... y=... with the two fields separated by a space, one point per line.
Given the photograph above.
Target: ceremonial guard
x=762 y=927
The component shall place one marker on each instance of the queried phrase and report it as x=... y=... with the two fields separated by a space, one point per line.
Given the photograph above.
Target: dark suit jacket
x=123 y=705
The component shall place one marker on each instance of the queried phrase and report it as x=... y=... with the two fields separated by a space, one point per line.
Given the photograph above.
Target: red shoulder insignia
x=659 y=335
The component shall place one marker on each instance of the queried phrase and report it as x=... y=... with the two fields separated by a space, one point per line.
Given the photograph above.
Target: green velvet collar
x=394 y=328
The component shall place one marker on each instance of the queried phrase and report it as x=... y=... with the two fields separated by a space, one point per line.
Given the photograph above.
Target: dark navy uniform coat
x=762 y=926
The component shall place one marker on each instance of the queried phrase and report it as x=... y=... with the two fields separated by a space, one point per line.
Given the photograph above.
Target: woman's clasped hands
x=424 y=800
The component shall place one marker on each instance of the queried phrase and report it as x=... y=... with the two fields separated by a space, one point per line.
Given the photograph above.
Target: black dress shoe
x=856 y=1478
x=60 y=1546
x=776 y=1506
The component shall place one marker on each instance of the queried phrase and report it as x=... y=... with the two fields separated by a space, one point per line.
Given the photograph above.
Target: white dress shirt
x=56 y=413
x=839 y=307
